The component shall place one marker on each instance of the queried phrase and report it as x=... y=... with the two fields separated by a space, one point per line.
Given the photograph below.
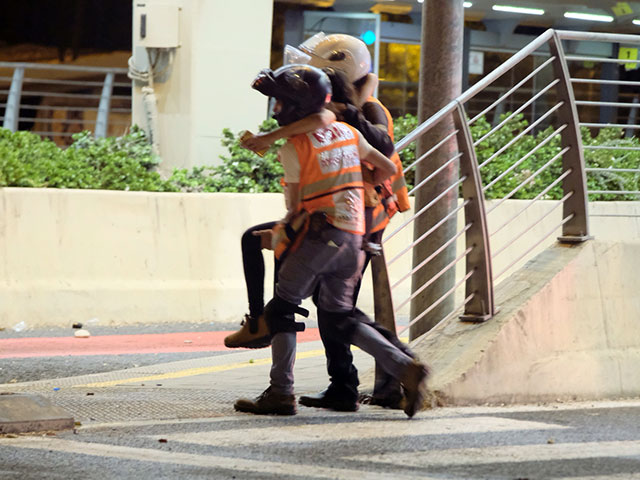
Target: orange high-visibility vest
x=331 y=175
x=397 y=184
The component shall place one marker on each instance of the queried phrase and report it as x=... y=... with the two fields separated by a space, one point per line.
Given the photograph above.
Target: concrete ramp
x=568 y=329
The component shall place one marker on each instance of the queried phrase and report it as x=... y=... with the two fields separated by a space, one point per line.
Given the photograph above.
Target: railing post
x=577 y=228
x=12 y=112
x=481 y=307
x=103 y=109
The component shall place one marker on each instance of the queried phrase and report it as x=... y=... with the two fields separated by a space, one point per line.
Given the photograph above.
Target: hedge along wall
x=138 y=257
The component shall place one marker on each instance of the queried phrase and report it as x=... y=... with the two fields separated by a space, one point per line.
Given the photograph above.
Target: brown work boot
x=414 y=381
x=253 y=333
x=268 y=403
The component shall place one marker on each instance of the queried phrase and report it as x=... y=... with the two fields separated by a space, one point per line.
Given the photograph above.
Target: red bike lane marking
x=124 y=344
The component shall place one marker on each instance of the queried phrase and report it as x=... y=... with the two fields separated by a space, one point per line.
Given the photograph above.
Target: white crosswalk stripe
x=190 y=459
x=360 y=430
x=509 y=454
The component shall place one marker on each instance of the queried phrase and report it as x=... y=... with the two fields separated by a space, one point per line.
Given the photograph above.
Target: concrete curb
x=21 y=413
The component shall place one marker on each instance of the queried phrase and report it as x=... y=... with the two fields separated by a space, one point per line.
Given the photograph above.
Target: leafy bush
x=241 y=171
x=124 y=163
x=128 y=163
x=505 y=160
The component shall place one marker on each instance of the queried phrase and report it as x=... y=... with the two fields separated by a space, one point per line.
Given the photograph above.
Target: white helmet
x=342 y=52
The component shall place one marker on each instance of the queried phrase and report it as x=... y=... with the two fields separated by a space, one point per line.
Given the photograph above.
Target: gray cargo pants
x=332 y=259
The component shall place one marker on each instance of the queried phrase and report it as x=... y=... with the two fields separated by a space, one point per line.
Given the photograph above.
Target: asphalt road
x=569 y=441
x=26 y=369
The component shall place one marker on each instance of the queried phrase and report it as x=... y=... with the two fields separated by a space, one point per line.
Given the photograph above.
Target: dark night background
x=71 y=27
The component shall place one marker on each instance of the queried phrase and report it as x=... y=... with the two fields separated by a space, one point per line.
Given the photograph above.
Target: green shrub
x=123 y=163
x=128 y=162
x=490 y=171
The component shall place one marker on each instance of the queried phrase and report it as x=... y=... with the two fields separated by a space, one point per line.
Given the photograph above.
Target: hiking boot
x=268 y=403
x=413 y=380
x=332 y=401
x=254 y=333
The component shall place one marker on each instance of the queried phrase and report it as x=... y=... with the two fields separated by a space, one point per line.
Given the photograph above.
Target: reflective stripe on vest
x=331 y=175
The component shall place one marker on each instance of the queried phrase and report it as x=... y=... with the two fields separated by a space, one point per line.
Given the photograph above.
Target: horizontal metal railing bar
x=525 y=157
x=522 y=107
x=610 y=125
x=613 y=215
x=581 y=58
x=513 y=89
x=529 y=179
x=426 y=207
x=49 y=81
x=533 y=246
x=606 y=147
x=54 y=120
x=64 y=68
x=55 y=134
x=453 y=313
x=440 y=300
x=613 y=170
x=433 y=254
x=513 y=239
x=431 y=150
x=476 y=88
x=80 y=109
x=613 y=192
x=444 y=270
x=587 y=103
x=534 y=200
x=429 y=232
x=32 y=93
x=57 y=107
x=36 y=120
x=605 y=82
x=597 y=36
x=521 y=134
x=435 y=173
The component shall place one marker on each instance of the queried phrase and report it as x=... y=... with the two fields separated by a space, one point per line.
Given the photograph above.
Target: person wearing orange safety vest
x=324 y=185
x=351 y=56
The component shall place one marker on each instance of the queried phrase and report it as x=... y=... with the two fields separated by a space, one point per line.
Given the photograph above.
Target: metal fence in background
x=541 y=160
x=57 y=101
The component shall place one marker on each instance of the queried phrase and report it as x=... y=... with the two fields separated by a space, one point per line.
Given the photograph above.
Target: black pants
x=253 y=265
x=342 y=372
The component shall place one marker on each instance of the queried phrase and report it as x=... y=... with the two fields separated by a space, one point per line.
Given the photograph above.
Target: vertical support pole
x=103 y=109
x=440 y=83
x=376 y=52
x=12 y=112
x=577 y=229
x=481 y=307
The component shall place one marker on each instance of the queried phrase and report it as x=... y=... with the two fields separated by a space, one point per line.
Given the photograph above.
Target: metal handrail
x=563 y=121
x=68 y=90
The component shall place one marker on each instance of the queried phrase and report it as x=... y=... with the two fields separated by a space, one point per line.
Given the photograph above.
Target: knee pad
x=280 y=316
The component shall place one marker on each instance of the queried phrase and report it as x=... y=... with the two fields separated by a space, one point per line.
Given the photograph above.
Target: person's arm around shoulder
x=262 y=141
x=384 y=167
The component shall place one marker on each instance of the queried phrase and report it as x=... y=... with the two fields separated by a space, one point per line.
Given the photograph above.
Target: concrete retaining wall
x=135 y=257
x=568 y=329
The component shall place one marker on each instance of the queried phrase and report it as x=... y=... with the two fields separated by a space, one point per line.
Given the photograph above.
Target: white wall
x=138 y=257
x=224 y=44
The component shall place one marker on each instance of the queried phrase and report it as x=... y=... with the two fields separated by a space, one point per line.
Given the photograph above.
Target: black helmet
x=302 y=89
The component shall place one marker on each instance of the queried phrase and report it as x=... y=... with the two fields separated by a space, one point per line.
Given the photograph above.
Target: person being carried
x=324 y=185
